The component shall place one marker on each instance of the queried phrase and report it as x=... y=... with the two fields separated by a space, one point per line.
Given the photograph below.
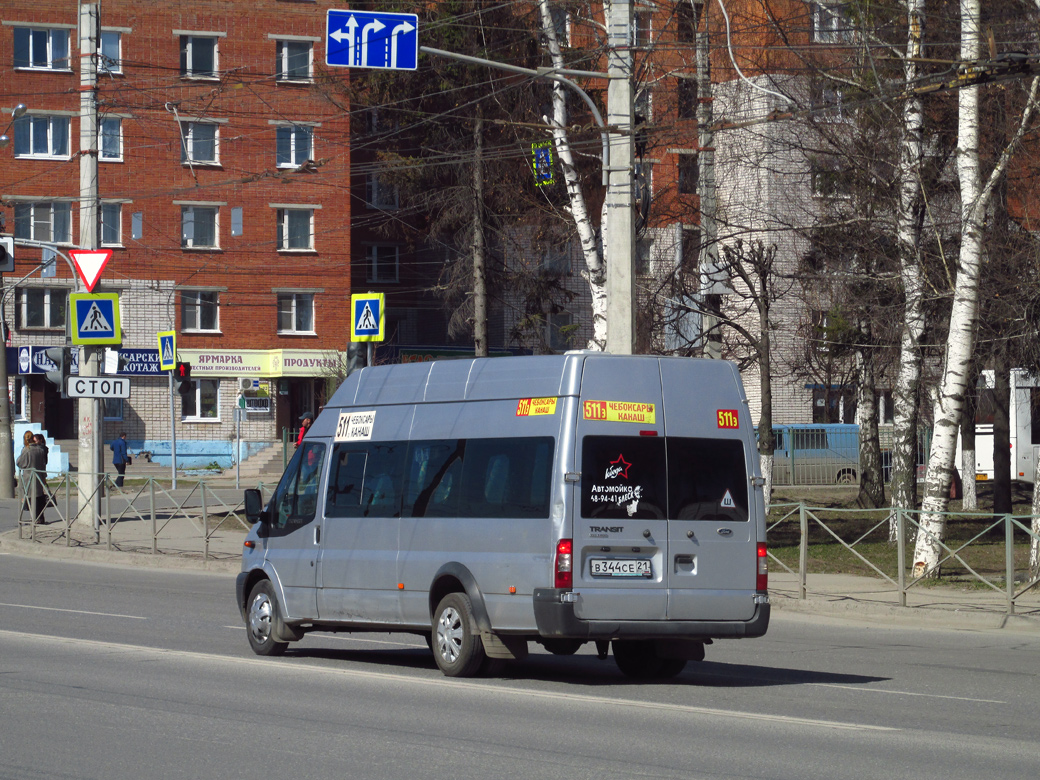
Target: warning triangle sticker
x=90 y=263
x=95 y=322
x=727 y=501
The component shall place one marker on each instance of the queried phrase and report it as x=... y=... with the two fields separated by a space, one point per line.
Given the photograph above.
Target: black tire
x=562 y=646
x=636 y=658
x=670 y=667
x=262 y=620
x=458 y=650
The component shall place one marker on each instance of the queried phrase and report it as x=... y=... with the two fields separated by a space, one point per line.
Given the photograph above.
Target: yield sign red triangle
x=90 y=263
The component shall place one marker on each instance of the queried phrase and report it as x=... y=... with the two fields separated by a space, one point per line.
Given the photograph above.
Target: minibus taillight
x=762 y=580
x=564 y=560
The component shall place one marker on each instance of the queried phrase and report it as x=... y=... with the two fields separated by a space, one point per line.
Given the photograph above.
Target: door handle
x=317 y=534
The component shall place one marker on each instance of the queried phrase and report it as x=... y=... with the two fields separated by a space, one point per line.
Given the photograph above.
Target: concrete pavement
x=183 y=539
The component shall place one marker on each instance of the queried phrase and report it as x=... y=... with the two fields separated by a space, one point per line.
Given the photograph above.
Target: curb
x=10 y=543
x=960 y=617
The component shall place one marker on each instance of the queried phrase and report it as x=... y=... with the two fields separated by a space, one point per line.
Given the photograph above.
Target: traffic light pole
x=173 y=434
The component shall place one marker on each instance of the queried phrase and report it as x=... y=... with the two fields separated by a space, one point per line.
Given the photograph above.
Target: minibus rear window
x=679 y=478
x=707 y=479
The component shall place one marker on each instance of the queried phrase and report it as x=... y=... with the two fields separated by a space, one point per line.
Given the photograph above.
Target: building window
x=199 y=226
x=383 y=260
x=110 y=138
x=295 y=229
x=691 y=249
x=198 y=56
x=689 y=173
x=294 y=61
x=826 y=101
x=686 y=97
x=381 y=195
x=199 y=143
x=687 y=17
x=49 y=222
x=830 y=23
x=113 y=408
x=293 y=147
x=203 y=402
x=200 y=310
x=20 y=398
x=834 y=405
x=556 y=258
x=41 y=48
x=111 y=224
x=41 y=136
x=558 y=331
x=641 y=31
x=295 y=313
x=110 y=55
x=827 y=180
x=42 y=308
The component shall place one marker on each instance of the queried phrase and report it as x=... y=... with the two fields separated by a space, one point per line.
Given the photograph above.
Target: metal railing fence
x=151 y=502
x=900 y=528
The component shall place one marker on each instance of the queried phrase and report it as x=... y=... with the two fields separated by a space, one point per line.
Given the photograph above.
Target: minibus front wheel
x=262 y=619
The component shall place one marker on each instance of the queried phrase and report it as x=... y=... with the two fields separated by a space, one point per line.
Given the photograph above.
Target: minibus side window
x=433 y=478
x=365 y=480
x=296 y=497
x=623 y=477
x=507 y=478
x=707 y=479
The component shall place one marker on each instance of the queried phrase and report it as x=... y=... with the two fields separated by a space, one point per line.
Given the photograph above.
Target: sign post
x=368 y=320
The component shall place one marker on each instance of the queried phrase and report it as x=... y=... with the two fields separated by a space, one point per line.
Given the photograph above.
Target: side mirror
x=254 y=506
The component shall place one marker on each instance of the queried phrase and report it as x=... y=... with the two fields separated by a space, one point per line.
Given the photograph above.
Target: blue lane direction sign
x=95 y=318
x=368 y=317
x=369 y=39
x=167 y=350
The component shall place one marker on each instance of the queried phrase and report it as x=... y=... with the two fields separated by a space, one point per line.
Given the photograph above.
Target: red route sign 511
x=90 y=263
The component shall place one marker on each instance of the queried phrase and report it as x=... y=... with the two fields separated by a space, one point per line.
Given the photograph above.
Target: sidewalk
x=181 y=544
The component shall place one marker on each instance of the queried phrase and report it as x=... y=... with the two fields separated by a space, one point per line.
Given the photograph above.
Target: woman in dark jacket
x=33 y=463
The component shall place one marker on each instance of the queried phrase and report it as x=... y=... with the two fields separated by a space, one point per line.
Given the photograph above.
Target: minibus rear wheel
x=261 y=619
x=457 y=648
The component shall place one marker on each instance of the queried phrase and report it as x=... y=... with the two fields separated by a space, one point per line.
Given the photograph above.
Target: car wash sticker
x=612 y=491
x=532 y=407
x=728 y=418
x=620 y=411
x=355 y=426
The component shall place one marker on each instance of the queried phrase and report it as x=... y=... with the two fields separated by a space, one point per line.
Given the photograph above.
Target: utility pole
x=619 y=215
x=708 y=259
x=90 y=462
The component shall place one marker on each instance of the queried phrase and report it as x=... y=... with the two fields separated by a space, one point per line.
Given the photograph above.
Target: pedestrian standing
x=33 y=463
x=306 y=419
x=120 y=457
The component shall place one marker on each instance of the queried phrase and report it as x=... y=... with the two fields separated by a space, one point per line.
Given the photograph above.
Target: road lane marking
x=456 y=685
x=907 y=693
x=74 y=611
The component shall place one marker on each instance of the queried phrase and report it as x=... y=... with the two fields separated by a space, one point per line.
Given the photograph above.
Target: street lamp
x=6 y=443
x=19 y=111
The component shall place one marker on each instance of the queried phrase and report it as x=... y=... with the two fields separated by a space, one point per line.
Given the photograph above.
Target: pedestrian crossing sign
x=95 y=318
x=368 y=317
x=167 y=350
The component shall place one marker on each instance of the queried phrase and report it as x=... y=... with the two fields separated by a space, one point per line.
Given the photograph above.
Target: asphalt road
x=114 y=673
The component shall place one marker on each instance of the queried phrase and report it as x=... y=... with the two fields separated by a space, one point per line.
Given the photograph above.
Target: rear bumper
x=555 y=618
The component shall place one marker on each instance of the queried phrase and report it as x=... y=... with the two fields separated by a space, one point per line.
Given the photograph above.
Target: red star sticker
x=622 y=465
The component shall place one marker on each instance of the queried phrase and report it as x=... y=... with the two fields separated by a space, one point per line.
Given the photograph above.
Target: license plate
x=621 y=567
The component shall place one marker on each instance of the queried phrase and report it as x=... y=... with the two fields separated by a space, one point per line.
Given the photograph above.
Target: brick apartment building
x=224 y=189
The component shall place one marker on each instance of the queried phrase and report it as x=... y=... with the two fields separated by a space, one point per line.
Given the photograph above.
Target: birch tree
x=591 y=250
x=960 y=342
x=909 y=221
